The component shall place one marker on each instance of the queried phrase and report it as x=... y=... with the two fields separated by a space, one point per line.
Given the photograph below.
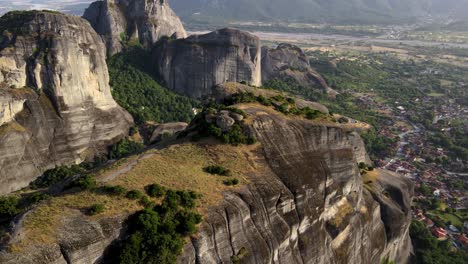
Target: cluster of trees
x=457 y=144
x=219 y=170
x=124 y=148
x=378 y=147
x=56 y=175
x=427 y=249
x=157 y=233
x=135 y=89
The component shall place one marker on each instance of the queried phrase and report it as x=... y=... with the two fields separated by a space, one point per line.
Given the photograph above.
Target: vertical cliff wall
x=304 y=201
x=193 y=66
x=145 y=21
x=56 y=105
x=311 y=208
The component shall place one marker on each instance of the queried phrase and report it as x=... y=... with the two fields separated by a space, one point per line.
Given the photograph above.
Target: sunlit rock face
x=143 y=21
x=311 y=207
x=55 y=99
x=193 y=66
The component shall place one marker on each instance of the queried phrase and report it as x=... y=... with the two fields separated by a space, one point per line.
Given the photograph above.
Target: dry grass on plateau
x=178 y=167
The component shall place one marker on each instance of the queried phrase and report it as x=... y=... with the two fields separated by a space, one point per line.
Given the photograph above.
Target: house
x=439 y=232
x=428 y=222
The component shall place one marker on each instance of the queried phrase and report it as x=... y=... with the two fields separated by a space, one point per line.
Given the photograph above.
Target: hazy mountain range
x=329 y=11
x=326 y=11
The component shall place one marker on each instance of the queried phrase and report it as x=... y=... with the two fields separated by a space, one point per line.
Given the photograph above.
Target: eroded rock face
x=311 y=208
x=167 y=129
x=193 y=66
x=307 y=203
x=145 y=21
x=289 y=62
x=56 y=105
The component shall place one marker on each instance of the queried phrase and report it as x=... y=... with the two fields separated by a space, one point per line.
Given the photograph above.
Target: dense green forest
x=135 y=89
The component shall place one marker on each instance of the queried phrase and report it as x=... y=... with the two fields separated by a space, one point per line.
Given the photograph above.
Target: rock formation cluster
x=309 y=203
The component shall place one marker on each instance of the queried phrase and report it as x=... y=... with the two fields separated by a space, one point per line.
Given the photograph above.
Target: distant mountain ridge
x=323 y=11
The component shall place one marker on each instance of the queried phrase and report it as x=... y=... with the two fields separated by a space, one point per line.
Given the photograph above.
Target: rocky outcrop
x=312 y=208
x=193 y=66
x=306 y=203
x=143 y=21
x=81 y=241
x=168 y=129
x=56 y=105
x=288 y=62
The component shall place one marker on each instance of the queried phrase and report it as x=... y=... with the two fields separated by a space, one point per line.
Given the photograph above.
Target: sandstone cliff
x=144 y=21
x=302 y=200
x=310 y=208
x=55 y=102
x=289 y=62
x=193 y=66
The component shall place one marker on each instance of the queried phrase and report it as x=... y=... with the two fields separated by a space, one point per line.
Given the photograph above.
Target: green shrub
x=219 y=170
x=146 y=202
x=263 y=100
x=56 y=175
x=134 y=195
x=96 y=209
x=155 y=190
x=37 y=197
x=114 y=190
x=156 y=235
x=84 y=183
x=231 y=182
x=9 y=206
x=187 y=199
x=235 y=136
x=124 y=148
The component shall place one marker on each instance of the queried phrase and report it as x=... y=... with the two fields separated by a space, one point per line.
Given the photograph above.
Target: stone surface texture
x=289 y=62
x=193 y=66
x=308 y=204
x=56 y=104
x=167 y=129
x=143 y=21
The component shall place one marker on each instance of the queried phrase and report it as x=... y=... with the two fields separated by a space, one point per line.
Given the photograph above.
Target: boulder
x=224 y=121
x=143 y=21
x=168 y=129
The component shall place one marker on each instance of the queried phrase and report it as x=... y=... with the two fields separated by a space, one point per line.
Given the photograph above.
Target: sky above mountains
x=70 y=6
x=328 y=11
